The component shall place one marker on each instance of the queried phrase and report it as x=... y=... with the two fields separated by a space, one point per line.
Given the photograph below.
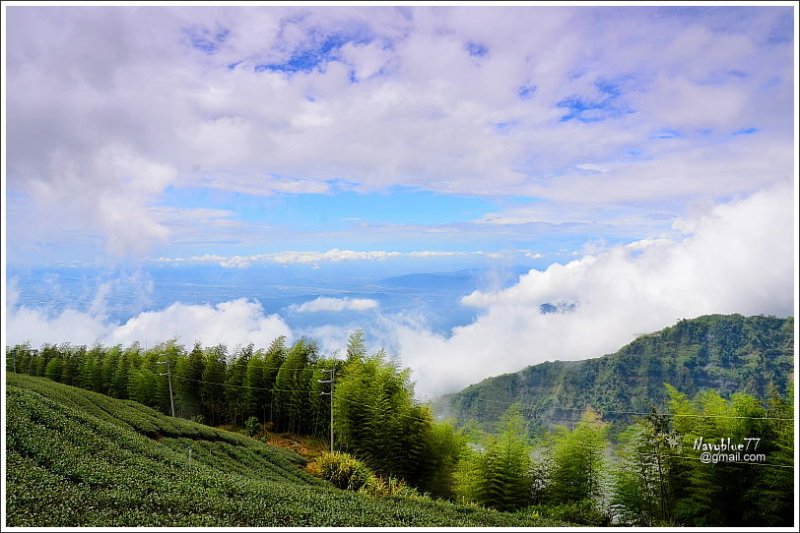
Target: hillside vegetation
x=79 y=458
x=728 y=353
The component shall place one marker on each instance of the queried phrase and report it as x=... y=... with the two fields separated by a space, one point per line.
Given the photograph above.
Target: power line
x=241 y=386
x=545 y=406
x=340 y=398
x=533 y=408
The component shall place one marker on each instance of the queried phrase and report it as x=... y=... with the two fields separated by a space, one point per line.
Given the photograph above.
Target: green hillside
x=79 y=458
x=725 y=352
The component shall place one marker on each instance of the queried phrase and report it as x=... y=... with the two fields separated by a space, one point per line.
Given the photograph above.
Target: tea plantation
x=78 y=458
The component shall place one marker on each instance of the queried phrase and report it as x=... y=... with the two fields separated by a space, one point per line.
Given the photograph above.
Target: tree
x=648 y=471
x=212 y=386
x=235 y=395
x=189 y=375
x=504 y=468
x=70 y=361
x=53 y=369
x=109 y=366
x=773 y=491
x=578 y=462
x=273 y=360
x=167 y=355
x=119 y=380
x=376 y=419
x=726 y=493
x=444 y=446
x=143 y=387
x=90 y=369
x=291 y=390
x=256 y=393
x=356 y=348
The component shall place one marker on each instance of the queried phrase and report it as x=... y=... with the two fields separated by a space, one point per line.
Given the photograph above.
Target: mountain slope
x=726 y=352
x=78 y=458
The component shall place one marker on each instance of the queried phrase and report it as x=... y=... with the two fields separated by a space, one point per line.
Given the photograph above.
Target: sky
x=638 y=160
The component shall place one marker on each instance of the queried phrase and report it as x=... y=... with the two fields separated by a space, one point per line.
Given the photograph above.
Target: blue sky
x=245 y=130
x=420 y=138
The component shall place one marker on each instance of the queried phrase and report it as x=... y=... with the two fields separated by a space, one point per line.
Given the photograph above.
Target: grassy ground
x=78 y=458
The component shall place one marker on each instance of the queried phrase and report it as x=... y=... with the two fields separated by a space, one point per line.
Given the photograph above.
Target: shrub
x=582 y=512
x=343 y=470
x=378 y=486
x=252 y=426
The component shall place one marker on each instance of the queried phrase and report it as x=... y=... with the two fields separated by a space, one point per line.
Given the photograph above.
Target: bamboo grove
x=646 y=473
x=282 y=388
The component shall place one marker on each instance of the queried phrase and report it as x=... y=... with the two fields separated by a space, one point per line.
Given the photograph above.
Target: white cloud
x=233 y=323
x=335 y=304
x=35 y=326
x=108 y=108
x=229 y=323
x=111 y=108
x=313 y=257
x=738 y=258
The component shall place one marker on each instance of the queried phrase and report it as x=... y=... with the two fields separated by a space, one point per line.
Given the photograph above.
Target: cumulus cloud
x=37 y=327
x=233 y=323
x=738 y=258
x=735 y=258
x=604 y=120
x=335 y=304
x=111 y=108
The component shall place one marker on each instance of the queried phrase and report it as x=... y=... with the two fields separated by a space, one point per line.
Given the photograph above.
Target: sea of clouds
x=737 y=257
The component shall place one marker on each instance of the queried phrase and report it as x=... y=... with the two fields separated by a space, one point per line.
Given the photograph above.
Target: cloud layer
x=322 y=304
x=736 y=258
x=113 y=111
x=307 y=257
x=739 y=258
x=234 y=323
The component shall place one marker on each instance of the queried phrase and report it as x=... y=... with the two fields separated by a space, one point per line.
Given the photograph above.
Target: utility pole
x=331 y=381
x=169 y=380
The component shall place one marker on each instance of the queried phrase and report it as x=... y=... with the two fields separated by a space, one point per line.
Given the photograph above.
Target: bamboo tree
x=578 y=462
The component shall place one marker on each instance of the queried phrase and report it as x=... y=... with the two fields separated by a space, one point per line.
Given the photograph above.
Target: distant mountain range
x=725 y=352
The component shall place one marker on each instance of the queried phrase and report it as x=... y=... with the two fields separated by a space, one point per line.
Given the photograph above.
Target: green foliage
x=444 y=446
x=376 y=417
x=577 y=459
x=251 y=426
x=212 y=388
x=661 y=479
x=343 y=470
x=53 y=369
x=773 y=492
x=256 y=389
x=236 y=401
x=356 y=349
x=729 y=493
x=581 y=512
x=657 y=476
x=728 y=353
x=81 y=459
x=500 y=476
x=377 y=486
x=648 y=473
x=292 y=388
